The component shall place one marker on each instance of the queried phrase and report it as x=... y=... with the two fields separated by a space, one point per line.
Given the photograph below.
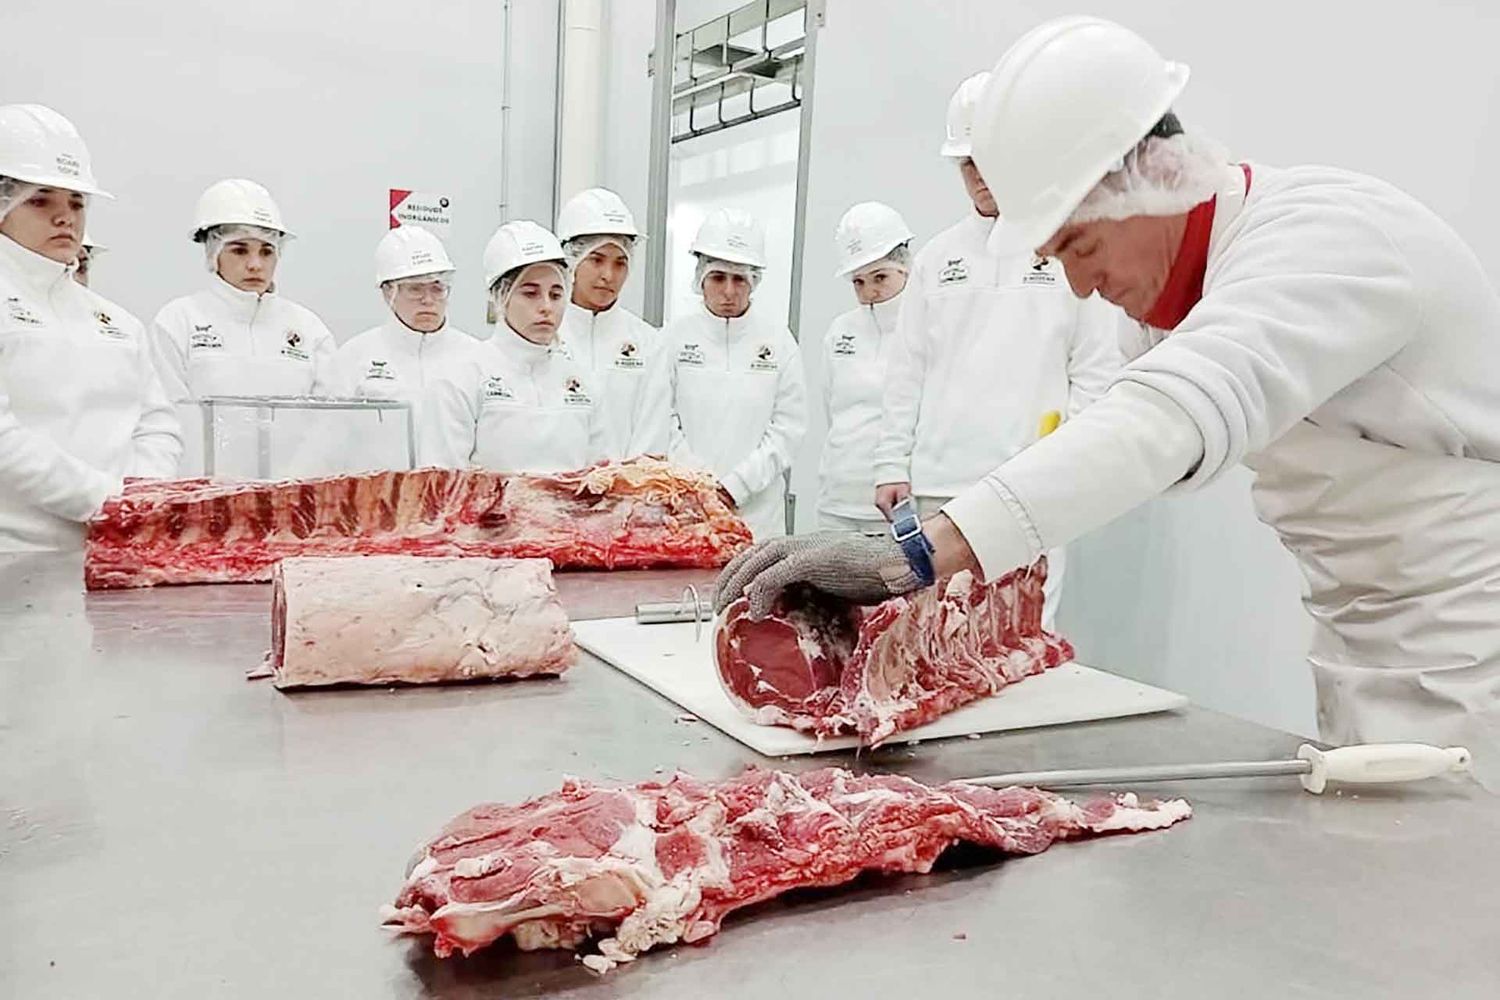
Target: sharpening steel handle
x=1379 y=763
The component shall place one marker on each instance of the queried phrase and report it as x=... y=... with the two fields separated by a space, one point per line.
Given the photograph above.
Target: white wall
x=751 y=167
x=328 y=104
x=1192 y=593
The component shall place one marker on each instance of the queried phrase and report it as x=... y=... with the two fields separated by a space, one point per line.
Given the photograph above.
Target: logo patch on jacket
x=955 y=270
x=574 y=394
x=293 y=347
x=690 y=354
x=380 y=371
x=1041 y=272
x=107 y=328
x=203 y=338
x=843 y=347
x=496 y=389
x=765 y=360
x=629 y=356
x=20 y=313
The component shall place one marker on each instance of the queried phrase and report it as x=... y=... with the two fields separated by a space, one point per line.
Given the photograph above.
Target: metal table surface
x=173 y=830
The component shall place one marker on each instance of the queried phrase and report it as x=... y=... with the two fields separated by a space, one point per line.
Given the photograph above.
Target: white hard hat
x=866 y=233
x=1063 y=106
x=41 y=147
x=595 y=212
x=408 y=251
x=731 y=234
x=960 y=120
x=237 y=202
x=519 y=244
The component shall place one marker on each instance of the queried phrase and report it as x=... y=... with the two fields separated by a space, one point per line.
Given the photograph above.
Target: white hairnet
x=501 y=291
x=216 y=238
x=1160 y=176
x=898 y=258
x=13 y=193
x=710 y=265
x=580 y=247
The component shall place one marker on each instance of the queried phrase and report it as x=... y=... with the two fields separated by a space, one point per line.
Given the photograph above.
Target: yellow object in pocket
x=1050 y=421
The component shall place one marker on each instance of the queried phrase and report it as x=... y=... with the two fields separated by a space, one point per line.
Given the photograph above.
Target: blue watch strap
x=906 y=529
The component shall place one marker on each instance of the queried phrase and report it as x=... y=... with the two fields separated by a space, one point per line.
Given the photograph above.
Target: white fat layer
x=379 y=619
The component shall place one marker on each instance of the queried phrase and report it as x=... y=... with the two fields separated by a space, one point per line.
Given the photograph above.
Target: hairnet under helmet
x=712 y=265
x=1167 y=173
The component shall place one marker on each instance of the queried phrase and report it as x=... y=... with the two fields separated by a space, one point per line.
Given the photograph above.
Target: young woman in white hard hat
x=81 y=406
x=535 y=409
x=1318 y=325
x=238 y=336
x=873 y=248
x=416 y=350
x=624 y=352
x=738 y=391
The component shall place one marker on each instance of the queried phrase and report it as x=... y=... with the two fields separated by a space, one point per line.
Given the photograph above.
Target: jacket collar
x=736 y=326
x=884 y=313
x=240 y=303
x=399 y=332
x=40 y=272
x=518 y=349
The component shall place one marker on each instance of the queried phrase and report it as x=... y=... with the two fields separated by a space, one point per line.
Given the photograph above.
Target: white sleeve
x=679 y=452
x=1130 y=446
x=169 y=349
x=34 y=468
x=156 y=444
x=783 y=433
x=825 y=376
x=1303 y=302
x=331 y=375
x=1094 y=354
x=902 y=399
x=324 y=349
x=651 y=423
x=446 y=437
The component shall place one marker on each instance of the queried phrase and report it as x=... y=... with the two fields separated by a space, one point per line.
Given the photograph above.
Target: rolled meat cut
x=825 y=666
x=415 y=620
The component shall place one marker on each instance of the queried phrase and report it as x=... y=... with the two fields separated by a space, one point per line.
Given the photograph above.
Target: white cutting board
x=668 y=659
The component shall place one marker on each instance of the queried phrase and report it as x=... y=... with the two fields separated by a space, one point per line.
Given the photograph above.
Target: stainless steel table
x=170 y=829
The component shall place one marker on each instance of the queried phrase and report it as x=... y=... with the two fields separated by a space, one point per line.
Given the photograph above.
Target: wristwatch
x=906 y=529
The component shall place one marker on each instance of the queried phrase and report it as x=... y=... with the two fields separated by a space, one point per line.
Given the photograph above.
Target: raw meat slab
x=669 y=660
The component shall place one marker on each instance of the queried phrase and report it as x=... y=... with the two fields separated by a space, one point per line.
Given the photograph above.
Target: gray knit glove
x=858 y=568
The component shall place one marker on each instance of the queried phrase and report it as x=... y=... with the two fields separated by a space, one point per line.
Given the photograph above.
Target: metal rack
x=266 y=407
x=739 y=67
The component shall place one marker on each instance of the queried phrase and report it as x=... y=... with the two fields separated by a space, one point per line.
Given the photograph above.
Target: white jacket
x=81 y=406
x=985 y=348
x=740 y=403
x=535 y=409
x=227 y=342
x=1345 y=347
x=631 y=372
x=856 y=356
x=393 y=361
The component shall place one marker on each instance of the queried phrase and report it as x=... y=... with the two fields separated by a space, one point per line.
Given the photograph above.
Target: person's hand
x=858 y=568
x=889 y=495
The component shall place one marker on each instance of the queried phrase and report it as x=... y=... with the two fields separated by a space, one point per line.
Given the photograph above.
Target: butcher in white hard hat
x=1318 y=325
